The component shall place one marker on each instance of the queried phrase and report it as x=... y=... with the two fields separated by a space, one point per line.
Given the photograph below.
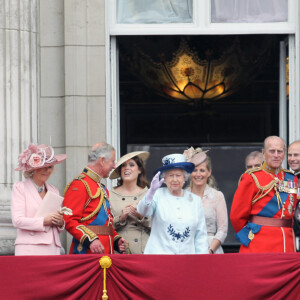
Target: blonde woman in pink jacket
x=36 y=235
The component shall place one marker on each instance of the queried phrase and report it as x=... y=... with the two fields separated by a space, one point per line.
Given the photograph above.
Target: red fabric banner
x=227 y=276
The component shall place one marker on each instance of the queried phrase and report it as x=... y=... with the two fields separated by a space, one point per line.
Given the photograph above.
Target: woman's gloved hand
x=155 y=185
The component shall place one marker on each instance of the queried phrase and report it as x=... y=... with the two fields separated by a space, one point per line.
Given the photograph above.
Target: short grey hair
x=100 y=150
x=252 y=155
x=185 y=174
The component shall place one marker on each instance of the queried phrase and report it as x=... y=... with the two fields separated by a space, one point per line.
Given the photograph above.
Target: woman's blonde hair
x=211 y=181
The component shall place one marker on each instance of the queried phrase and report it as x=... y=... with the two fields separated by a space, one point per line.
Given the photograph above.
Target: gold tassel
x=278 y=200
x=105 y=263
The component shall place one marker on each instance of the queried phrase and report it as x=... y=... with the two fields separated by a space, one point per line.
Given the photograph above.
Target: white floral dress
x=177 y=223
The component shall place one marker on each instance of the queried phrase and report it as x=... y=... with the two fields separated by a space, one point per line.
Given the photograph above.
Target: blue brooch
x=178 y=235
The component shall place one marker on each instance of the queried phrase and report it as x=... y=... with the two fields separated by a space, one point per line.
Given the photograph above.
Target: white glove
x=66 y=211
x=155 y=185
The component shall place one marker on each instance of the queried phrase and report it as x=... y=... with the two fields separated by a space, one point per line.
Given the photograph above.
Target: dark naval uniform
x=262 y=210
x=92 y=218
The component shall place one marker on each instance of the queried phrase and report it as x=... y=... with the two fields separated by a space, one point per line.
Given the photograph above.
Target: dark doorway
x=237 y=123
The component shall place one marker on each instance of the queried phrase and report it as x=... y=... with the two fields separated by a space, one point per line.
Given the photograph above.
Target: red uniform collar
x=269 y=169
x=90 y=173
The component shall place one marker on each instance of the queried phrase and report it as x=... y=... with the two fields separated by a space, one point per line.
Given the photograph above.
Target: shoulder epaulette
x=288 y=171
x=240 y=178
x=79 y=177
x=250 y=171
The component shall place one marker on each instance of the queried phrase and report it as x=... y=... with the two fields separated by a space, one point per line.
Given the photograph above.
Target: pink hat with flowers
x=196 y=156
x=38 y=156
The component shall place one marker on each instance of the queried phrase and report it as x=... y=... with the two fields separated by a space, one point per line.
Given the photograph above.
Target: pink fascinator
x=38 y=156
x=196 y=156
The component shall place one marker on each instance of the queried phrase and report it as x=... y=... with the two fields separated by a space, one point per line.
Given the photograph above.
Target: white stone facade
x=54 y=61
x=52 y=85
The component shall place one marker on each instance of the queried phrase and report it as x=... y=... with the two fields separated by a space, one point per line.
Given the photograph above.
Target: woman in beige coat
x=131 y=187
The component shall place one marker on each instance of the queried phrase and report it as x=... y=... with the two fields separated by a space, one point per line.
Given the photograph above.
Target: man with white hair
x=263 y=205
x=91 y=224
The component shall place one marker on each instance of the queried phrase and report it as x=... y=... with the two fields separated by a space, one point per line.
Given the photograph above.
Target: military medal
x=287 y=187
x=290 y=209
x=292 y=199
x=283 y=210
x=251 y=235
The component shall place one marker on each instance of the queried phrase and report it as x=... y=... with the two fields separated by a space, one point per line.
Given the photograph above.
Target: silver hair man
x=100 y=150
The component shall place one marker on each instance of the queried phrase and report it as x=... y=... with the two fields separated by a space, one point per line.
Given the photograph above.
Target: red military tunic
x=87 y=198
x=256 y=196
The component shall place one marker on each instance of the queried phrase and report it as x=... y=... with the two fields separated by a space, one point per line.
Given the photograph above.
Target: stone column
x=52 y=83
x=19 y=71
x=84 y=80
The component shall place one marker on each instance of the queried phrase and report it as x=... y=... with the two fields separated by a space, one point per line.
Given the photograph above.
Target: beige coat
x=135 y=231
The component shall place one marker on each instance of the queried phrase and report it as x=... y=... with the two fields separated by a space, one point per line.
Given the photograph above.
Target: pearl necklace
x=40 y=189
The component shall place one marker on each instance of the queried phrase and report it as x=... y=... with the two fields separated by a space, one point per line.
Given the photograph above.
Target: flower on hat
x=35 y=156
x=35 y=160
x=189 y=153
x=25 y=155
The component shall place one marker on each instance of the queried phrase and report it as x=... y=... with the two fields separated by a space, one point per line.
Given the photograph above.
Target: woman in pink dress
x=36 y=235
x=203 y=184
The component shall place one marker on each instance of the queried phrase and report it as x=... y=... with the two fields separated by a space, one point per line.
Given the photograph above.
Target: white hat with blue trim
x=175 y=161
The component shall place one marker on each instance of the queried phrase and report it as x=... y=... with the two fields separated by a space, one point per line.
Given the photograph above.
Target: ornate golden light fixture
x=188 y=78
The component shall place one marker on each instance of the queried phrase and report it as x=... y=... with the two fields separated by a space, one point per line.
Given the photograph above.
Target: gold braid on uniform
x=87 y=234
x=98 y=193
x=80 y=177
x=264 y=190
x=93 y=197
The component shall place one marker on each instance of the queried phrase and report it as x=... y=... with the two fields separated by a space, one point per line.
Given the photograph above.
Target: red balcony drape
x=228 y=276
